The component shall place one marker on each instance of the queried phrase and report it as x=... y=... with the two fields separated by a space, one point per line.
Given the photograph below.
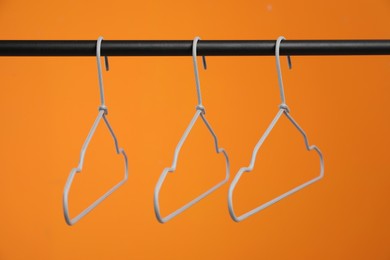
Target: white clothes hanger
x=283 y=109
x=102 y=114
x=200 y=111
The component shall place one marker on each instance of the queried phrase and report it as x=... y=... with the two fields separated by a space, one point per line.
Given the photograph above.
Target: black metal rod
x=183 y=48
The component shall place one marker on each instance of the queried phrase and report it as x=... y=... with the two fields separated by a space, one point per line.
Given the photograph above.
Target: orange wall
x=49 y=104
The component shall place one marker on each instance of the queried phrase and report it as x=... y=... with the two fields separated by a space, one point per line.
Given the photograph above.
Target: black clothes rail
x=183 y=47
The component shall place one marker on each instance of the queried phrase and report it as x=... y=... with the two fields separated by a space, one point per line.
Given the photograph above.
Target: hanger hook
x=197 y=81
x=279 y=70
x=100 y=74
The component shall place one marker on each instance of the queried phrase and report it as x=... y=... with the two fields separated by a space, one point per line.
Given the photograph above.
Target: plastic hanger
x=102 y=114
x=200 y=111
x=283 y=109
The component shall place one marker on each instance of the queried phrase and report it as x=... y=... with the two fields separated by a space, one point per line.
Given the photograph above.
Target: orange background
x=49 y=104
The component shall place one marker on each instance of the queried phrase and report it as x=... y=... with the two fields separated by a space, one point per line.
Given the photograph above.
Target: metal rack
x=183 y=47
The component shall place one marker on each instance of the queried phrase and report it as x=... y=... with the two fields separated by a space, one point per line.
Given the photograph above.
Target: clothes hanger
x=200 y=111
x=283 y=109
x=102 y=114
